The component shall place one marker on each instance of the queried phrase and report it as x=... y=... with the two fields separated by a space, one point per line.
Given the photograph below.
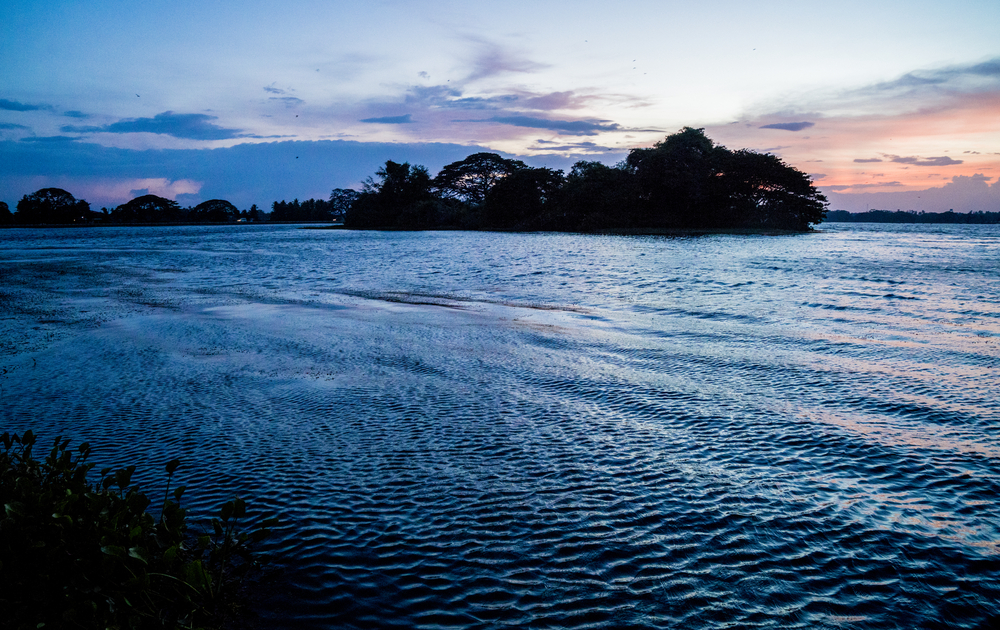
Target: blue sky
x=884 y=103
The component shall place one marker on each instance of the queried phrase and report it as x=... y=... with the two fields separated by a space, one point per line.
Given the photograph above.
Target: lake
x=487 y=430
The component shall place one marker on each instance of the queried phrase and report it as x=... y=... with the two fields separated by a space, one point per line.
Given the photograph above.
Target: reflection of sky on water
x=651 y=426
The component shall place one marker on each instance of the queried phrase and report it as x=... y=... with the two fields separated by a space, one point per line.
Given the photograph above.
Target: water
x=478 y=430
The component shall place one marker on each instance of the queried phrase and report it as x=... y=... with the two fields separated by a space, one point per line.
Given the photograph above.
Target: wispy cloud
x=389 y=120
x=50 y=139
x=792 y=126
x=288 y=101
x=493 y=59
x=966 y=77
x=15 y=106
x=869 y=185
x=186 y=126
x=919 y=90
x=943 y=160
x=575 y=147
x=12 y=126
x=562 y=127
x=453 y=97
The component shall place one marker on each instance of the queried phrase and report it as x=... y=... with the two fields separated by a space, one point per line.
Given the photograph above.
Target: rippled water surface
x=479 y=430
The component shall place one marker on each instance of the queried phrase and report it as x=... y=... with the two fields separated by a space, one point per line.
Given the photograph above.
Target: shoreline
x=610 y=231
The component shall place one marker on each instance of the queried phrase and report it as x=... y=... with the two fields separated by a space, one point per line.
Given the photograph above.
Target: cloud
x=552 y=100
x=289 y=101
x=75 y=114
x=12 y=126
x=563 y=127
x=15 y=106
x=795 y=126
x=158 y=186
x=493 y=60
x=869 y=185
x=867 y=160
x=551 y=146
x=918 y=161
x=187 y=126
x=389 y=120
x=80 y=129
x=954 y=75
x=50 y=139
x=920 y=90
x=515 y=101
x=273 y=90
x=964 y=193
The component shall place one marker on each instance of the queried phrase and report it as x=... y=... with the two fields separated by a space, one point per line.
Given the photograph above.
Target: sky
x=892 y=105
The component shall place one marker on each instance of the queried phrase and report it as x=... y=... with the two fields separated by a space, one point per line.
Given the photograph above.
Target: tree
x=51 y=205
x=763 y=191
x=596 y=196
x=688 y=181
x=472 y=179
x=674 y=178
x=400 y=197
x=521 y=199
x=6 y=217
x=341 y=200
x=214 y=211
x=147 y=209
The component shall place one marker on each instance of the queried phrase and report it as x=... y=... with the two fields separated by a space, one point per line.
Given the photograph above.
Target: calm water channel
x=483 y=430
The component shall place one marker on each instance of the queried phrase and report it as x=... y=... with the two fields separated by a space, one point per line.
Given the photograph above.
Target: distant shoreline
x=617 y=231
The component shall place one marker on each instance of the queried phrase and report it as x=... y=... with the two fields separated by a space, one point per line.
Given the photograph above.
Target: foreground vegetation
x=76 y=554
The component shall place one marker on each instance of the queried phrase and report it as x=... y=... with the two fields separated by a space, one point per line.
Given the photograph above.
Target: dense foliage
x=314 y=209
x=51 y=205
x=686 y=181
x=911 y=216
x=76 y=554
x=54 y=206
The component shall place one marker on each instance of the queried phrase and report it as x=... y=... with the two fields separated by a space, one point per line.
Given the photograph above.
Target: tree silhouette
x=522 y=198
x=147 y=209
x=341 y=200
x=596 y=196
x=51 y=205
x=6 y=218
x=471 y=179
x=214 y=211
x=688 y=181
x=400 y=197
x=674 y=178
x=763 y=191
x=684 y=181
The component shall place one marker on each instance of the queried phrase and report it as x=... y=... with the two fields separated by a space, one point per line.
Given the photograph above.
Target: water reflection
x=488 y=430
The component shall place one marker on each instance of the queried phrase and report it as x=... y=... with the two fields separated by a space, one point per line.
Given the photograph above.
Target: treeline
x=55 y=206
x=685 y=181
x=330 y=209
x=912 y=216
